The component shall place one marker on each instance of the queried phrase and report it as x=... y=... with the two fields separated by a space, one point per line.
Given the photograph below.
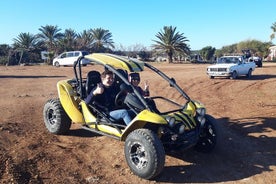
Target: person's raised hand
x=146 y=86
x=99 y=89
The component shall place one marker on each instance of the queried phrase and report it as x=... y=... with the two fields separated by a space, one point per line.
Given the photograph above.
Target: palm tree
x=84 y=40
x=273 y=27
x=102 y=39
x=49 y=36
x=25 y=41
x=68 y=41
x=170 y=42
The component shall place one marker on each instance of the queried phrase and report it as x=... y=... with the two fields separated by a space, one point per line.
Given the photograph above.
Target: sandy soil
x=244 y=108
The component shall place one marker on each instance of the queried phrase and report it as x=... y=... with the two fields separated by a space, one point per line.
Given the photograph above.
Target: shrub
x=3 y=60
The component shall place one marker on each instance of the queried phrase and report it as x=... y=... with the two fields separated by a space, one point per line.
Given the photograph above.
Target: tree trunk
x=170 y=57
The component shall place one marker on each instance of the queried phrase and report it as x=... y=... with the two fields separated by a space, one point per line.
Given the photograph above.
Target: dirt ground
x=244 y=108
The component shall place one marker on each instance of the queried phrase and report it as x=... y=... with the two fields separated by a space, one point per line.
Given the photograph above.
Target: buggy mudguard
x=141 y=120
x=192 y=106
x=69 y=103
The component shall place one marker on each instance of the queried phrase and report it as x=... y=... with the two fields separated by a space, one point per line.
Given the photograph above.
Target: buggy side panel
x=68 y=102
x=88 y=116
x=90 y=120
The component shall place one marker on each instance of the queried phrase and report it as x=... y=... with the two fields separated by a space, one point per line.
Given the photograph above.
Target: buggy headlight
x=171 y=121
x=201 y=120
x=181 y=129
x=201 y=111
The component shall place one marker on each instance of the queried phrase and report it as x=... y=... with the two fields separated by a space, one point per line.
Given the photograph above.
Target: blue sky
x=213 y=23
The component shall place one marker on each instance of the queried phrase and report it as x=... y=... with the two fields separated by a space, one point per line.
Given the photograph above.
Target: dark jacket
x=106 y=99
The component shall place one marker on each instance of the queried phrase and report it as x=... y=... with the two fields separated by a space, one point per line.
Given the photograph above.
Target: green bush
x=3 y=60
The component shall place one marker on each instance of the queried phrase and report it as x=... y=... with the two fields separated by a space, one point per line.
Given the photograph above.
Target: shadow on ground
x=240 y=154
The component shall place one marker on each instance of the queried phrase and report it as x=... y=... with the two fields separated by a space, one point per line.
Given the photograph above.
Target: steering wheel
x=119 y=99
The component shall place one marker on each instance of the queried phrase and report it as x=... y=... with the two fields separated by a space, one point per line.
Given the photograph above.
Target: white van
x=69 y=58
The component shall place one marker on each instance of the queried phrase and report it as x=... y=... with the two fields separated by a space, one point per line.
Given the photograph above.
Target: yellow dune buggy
x=166 y=121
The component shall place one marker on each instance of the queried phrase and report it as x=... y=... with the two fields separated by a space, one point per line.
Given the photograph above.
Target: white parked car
x=232 y=67
x=69 y=58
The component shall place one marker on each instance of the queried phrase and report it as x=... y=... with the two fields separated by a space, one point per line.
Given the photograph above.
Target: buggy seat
x=93 y=78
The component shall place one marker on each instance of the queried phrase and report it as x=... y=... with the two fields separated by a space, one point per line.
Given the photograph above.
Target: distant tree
x=25 y=41
x=144 y=55
x=4 y=49
x=49 y=36
x=84 y=40
x=248 y=44
x=4 y=53
x=68 y=41
x=207 y=52
x=170 y=41
x=264 y=50
x=256 y=47
x=134 y=50
x=102 y=40
x=226 y=50
x=28 y=46
x=273 y=27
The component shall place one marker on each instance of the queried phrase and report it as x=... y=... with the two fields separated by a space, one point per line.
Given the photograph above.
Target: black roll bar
x=170 y=80
x=79 y=77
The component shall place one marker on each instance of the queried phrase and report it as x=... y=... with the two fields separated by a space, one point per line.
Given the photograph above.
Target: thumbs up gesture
x=99 y=89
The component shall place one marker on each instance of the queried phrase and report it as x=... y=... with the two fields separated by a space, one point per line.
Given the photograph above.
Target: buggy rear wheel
x=55 y=118
x=144 y=153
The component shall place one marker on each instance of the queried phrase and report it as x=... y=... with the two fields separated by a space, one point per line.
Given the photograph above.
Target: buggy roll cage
x=79 y=80
x=171 y=81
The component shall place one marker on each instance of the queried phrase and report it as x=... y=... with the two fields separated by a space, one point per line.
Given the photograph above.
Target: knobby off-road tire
x=208 y=137
x=144 y=153
x=55 y=118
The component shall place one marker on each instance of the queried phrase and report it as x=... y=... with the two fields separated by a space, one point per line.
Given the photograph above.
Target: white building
x=272 y=54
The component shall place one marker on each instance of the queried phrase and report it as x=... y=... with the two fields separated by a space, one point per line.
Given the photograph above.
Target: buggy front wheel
x=144 y=153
